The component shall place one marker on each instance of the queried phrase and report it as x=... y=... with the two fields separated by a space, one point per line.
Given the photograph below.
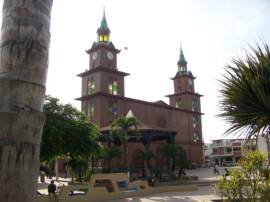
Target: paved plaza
x=205 y=192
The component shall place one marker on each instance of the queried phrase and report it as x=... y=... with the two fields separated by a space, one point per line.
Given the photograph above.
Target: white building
x=226 y=152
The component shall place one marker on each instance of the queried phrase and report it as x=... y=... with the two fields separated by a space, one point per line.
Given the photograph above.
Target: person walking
x=52 y=191
x=216 y=169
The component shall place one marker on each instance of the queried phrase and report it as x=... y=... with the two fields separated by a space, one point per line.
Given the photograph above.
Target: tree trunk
x=56 y=168
x=92 y=163
x=23 y=68
x=126 y=155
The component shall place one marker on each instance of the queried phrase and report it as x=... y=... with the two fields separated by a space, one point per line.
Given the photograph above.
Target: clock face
x=110 y=55
x=94 y=55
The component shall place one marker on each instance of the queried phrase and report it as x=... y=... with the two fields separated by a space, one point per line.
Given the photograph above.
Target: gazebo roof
x=147 y=134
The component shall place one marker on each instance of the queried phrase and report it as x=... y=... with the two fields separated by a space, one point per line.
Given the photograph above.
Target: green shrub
x=249 y=182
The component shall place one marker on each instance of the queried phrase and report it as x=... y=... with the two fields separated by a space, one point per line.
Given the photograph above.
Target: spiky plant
x=245 y=93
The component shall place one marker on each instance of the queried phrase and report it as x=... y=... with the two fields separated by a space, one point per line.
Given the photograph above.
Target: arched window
x=103 y=38
x=91 y=86
x=113 y=86
x=195 y=137
x=178 y=103
x=90 y=110
x=195 y=120
x=194 y=105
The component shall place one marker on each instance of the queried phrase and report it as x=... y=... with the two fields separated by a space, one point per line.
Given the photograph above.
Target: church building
x=103 y=99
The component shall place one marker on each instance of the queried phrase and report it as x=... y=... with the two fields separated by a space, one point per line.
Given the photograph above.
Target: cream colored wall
x=95 y=194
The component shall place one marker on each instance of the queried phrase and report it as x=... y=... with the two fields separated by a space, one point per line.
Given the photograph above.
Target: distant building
x=227 y=152
x=207 y=152
x=103 y=99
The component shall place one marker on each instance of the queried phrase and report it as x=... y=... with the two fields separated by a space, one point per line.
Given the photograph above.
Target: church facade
x=103 y=99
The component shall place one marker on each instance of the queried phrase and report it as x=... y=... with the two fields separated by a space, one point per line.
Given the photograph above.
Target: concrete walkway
x=205 y=192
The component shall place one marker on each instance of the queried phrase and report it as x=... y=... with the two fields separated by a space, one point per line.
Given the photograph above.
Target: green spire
x=103 y=24
x=103 y=31
x=103 y=28
x=182 y=61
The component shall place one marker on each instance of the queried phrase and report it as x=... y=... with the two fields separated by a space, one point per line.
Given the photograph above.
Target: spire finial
x=103 y=24
x=103 y=11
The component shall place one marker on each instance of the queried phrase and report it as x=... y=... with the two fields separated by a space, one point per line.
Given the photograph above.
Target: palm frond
x=245 y=91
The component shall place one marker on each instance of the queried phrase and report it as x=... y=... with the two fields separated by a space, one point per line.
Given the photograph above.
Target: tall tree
x=245 y=93
x=25 y=39
x=145 y=157
x=67 y=132
x=171 y=151
x=110 y=153
x=122 y=128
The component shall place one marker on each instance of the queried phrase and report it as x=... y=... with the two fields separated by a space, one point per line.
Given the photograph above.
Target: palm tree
x=170 y=151
x=145 y=157
x=122 y=128
x=24 y=55
x=246 y=93
x=111 y=153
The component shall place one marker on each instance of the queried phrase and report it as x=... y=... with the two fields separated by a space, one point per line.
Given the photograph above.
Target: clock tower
x=185 y=98
x=102 y=76
x=103 y=53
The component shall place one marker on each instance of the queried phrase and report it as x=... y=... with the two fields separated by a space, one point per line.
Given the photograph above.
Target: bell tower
x=102 y=76
x=103 y=53
x=183 y=87
x=183 y=80
x=185 y=98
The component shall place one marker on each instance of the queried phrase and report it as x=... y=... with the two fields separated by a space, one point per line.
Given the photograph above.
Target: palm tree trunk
x=126 y=155
x=24 y=62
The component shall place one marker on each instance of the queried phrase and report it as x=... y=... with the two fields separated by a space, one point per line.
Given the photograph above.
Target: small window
x=194 y=105
x=113 y=107
x=113 y=87
x=91 y=86
x=178 y=103
x=105 y=38
x=90 y=110
x=101 y=38
x=228 y=150
x=195 y=137
x=236 y=149
x=181 y=68
x=195 y=121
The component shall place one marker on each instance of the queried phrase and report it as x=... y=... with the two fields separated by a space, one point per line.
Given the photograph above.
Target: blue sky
x=211 y=33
